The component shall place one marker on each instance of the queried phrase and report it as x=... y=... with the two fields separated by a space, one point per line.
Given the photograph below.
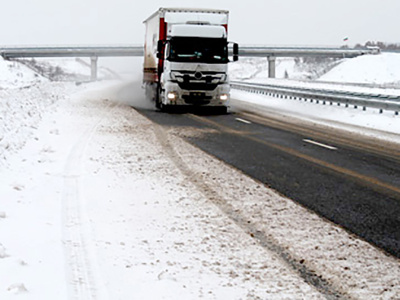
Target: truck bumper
x=174 y=95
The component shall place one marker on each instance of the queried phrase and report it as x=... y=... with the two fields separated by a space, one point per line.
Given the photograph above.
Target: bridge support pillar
x=93 y=68
x=271 y=66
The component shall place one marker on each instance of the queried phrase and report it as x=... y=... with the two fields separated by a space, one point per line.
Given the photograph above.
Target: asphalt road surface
x=352 y=183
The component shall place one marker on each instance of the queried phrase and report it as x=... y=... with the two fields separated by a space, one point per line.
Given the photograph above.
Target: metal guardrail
x=377 y=101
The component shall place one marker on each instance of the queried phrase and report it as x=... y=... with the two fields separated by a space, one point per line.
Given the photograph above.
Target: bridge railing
x=263 y=51
x=28 y=52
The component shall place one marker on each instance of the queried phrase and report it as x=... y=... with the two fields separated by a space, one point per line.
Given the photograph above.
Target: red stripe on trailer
x=226 y=28
x=162 y=37
x=163 y=29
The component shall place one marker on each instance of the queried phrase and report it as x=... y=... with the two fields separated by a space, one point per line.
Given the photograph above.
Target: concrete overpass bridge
x=94 y=52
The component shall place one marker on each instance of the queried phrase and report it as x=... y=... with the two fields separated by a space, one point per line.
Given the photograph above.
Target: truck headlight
x=172 y=96
x=224 y=97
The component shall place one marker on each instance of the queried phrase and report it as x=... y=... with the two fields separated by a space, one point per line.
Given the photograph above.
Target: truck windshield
x=192 y=49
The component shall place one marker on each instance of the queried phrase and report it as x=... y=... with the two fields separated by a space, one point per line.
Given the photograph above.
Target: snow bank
x=25 y=97
x=373 y=69
x=16 y=75
x=22 y=108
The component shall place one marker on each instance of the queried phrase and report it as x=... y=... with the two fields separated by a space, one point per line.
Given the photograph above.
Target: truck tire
x=222 y=110
x=158 y=98
x=165 y=108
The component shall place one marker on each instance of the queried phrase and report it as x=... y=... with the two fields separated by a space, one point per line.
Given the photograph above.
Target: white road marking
x=243 y=121
x=319 y=144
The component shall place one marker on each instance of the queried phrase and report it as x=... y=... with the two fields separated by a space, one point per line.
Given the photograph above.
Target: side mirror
x=160 y=46
x=235 y=52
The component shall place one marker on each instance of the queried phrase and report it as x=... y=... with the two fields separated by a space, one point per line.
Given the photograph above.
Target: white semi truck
x=186 y=58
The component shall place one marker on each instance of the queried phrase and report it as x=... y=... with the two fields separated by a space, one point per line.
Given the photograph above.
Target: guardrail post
x=271 y=66
x=93 y=68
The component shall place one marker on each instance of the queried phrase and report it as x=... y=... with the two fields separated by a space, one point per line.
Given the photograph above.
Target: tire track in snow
x=74 y=235
x=327 y=289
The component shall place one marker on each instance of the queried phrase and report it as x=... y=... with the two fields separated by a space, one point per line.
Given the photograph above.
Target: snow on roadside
x=21 y=111
x=32 y=247
x=16 y=75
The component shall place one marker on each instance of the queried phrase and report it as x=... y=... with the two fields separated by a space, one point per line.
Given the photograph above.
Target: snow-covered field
x=97 y=202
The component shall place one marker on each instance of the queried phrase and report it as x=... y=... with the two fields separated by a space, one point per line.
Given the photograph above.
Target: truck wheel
x=165 y=108
x=158 y=98
x=223 y=110
x=158 y=104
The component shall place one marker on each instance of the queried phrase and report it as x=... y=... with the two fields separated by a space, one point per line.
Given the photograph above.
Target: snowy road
x=353 y=183
x=154 y=230
x=115 y=206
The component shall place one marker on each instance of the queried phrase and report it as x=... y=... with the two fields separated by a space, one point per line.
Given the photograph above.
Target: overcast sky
x=267 y=22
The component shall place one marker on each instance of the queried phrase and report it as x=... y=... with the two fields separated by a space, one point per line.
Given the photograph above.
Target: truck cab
x=193 y=58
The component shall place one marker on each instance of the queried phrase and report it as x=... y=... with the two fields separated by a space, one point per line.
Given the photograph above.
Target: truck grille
x=197 y=80
x=197 y=98
x=197 y=86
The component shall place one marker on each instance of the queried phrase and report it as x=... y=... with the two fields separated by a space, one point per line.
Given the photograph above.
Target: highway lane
x=327 y=173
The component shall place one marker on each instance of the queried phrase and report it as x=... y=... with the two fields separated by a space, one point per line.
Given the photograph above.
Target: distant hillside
x=373 y=69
